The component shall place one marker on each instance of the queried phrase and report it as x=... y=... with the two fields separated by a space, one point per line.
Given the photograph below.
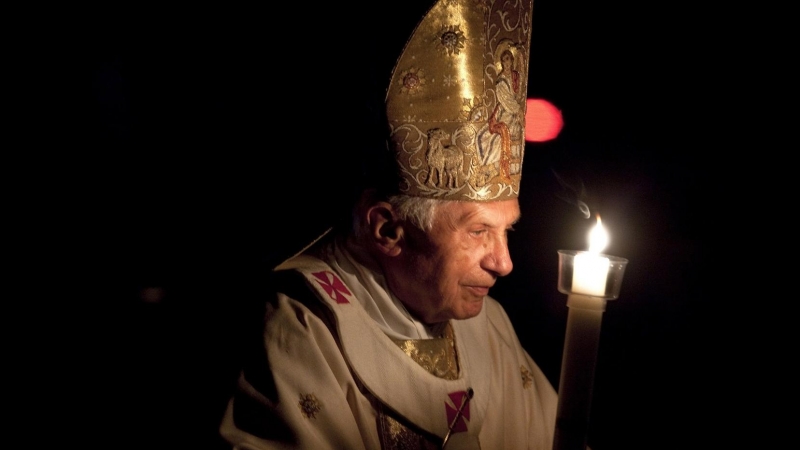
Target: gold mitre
x=457 y=98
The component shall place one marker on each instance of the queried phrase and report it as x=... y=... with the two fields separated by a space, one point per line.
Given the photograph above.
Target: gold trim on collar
x=437 y=356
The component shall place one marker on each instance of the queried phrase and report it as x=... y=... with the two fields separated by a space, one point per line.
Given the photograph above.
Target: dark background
x=213 y=141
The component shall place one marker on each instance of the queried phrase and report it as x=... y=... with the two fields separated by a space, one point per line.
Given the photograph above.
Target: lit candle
x=595 y=279
x=591 y=269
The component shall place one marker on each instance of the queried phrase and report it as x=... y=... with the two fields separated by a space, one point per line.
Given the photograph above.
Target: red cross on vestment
x=458 y=398
x=332 y=285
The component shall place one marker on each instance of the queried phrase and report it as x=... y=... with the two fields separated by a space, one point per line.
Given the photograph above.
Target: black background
x=212 y=141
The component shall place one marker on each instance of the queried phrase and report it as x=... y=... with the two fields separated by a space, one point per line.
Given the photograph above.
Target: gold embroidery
x=472 y=49
x=527 y=378
x=437 y=356
x=309 y=405
x=396 y=436
x=412 y=81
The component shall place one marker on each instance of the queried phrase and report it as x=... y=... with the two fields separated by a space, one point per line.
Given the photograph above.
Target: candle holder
x=615 y=269
x=589 y=279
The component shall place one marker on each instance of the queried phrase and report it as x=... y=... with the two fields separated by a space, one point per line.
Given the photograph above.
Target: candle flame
x=598 y=237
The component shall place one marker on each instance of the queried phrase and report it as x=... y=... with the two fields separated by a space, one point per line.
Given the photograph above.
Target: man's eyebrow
x=488 y=224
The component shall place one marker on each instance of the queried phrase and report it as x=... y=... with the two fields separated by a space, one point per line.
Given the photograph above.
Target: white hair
x=419 y=211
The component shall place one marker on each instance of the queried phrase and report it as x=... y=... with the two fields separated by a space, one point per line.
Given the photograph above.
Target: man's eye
x=478 y=232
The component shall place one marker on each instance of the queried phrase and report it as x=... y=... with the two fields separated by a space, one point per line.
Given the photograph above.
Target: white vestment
x=328 y=373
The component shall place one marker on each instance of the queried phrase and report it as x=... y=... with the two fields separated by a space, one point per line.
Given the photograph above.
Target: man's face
x=446 y=273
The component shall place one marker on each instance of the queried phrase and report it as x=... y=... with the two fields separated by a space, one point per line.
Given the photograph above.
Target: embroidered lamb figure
x=444 y=161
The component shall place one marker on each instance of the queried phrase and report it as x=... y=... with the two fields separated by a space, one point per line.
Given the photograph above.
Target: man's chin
x=470 y=309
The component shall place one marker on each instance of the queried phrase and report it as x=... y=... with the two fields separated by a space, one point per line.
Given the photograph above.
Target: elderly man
x=383 y=335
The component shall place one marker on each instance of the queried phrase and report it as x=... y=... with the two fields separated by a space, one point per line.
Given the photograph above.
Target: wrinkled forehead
x=501 y=213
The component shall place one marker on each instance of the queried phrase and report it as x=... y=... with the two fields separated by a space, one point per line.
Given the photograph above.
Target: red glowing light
x=543 y=121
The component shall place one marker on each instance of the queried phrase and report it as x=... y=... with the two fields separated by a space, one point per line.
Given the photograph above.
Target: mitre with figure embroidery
x=456 y=101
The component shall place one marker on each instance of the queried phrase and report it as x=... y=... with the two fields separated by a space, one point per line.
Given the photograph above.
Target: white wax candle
x=589 y=275
x=590 y=270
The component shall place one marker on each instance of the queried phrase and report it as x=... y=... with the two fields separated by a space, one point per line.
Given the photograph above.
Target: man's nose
x=498 y=259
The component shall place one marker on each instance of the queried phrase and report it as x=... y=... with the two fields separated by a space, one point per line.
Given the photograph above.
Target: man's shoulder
x=292 y=287
x=310 y=278
x=291 y=277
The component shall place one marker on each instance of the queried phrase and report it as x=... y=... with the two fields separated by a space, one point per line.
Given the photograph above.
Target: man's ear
x=385 y=231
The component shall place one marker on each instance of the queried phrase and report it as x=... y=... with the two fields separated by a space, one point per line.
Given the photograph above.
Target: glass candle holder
x=589 y=273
